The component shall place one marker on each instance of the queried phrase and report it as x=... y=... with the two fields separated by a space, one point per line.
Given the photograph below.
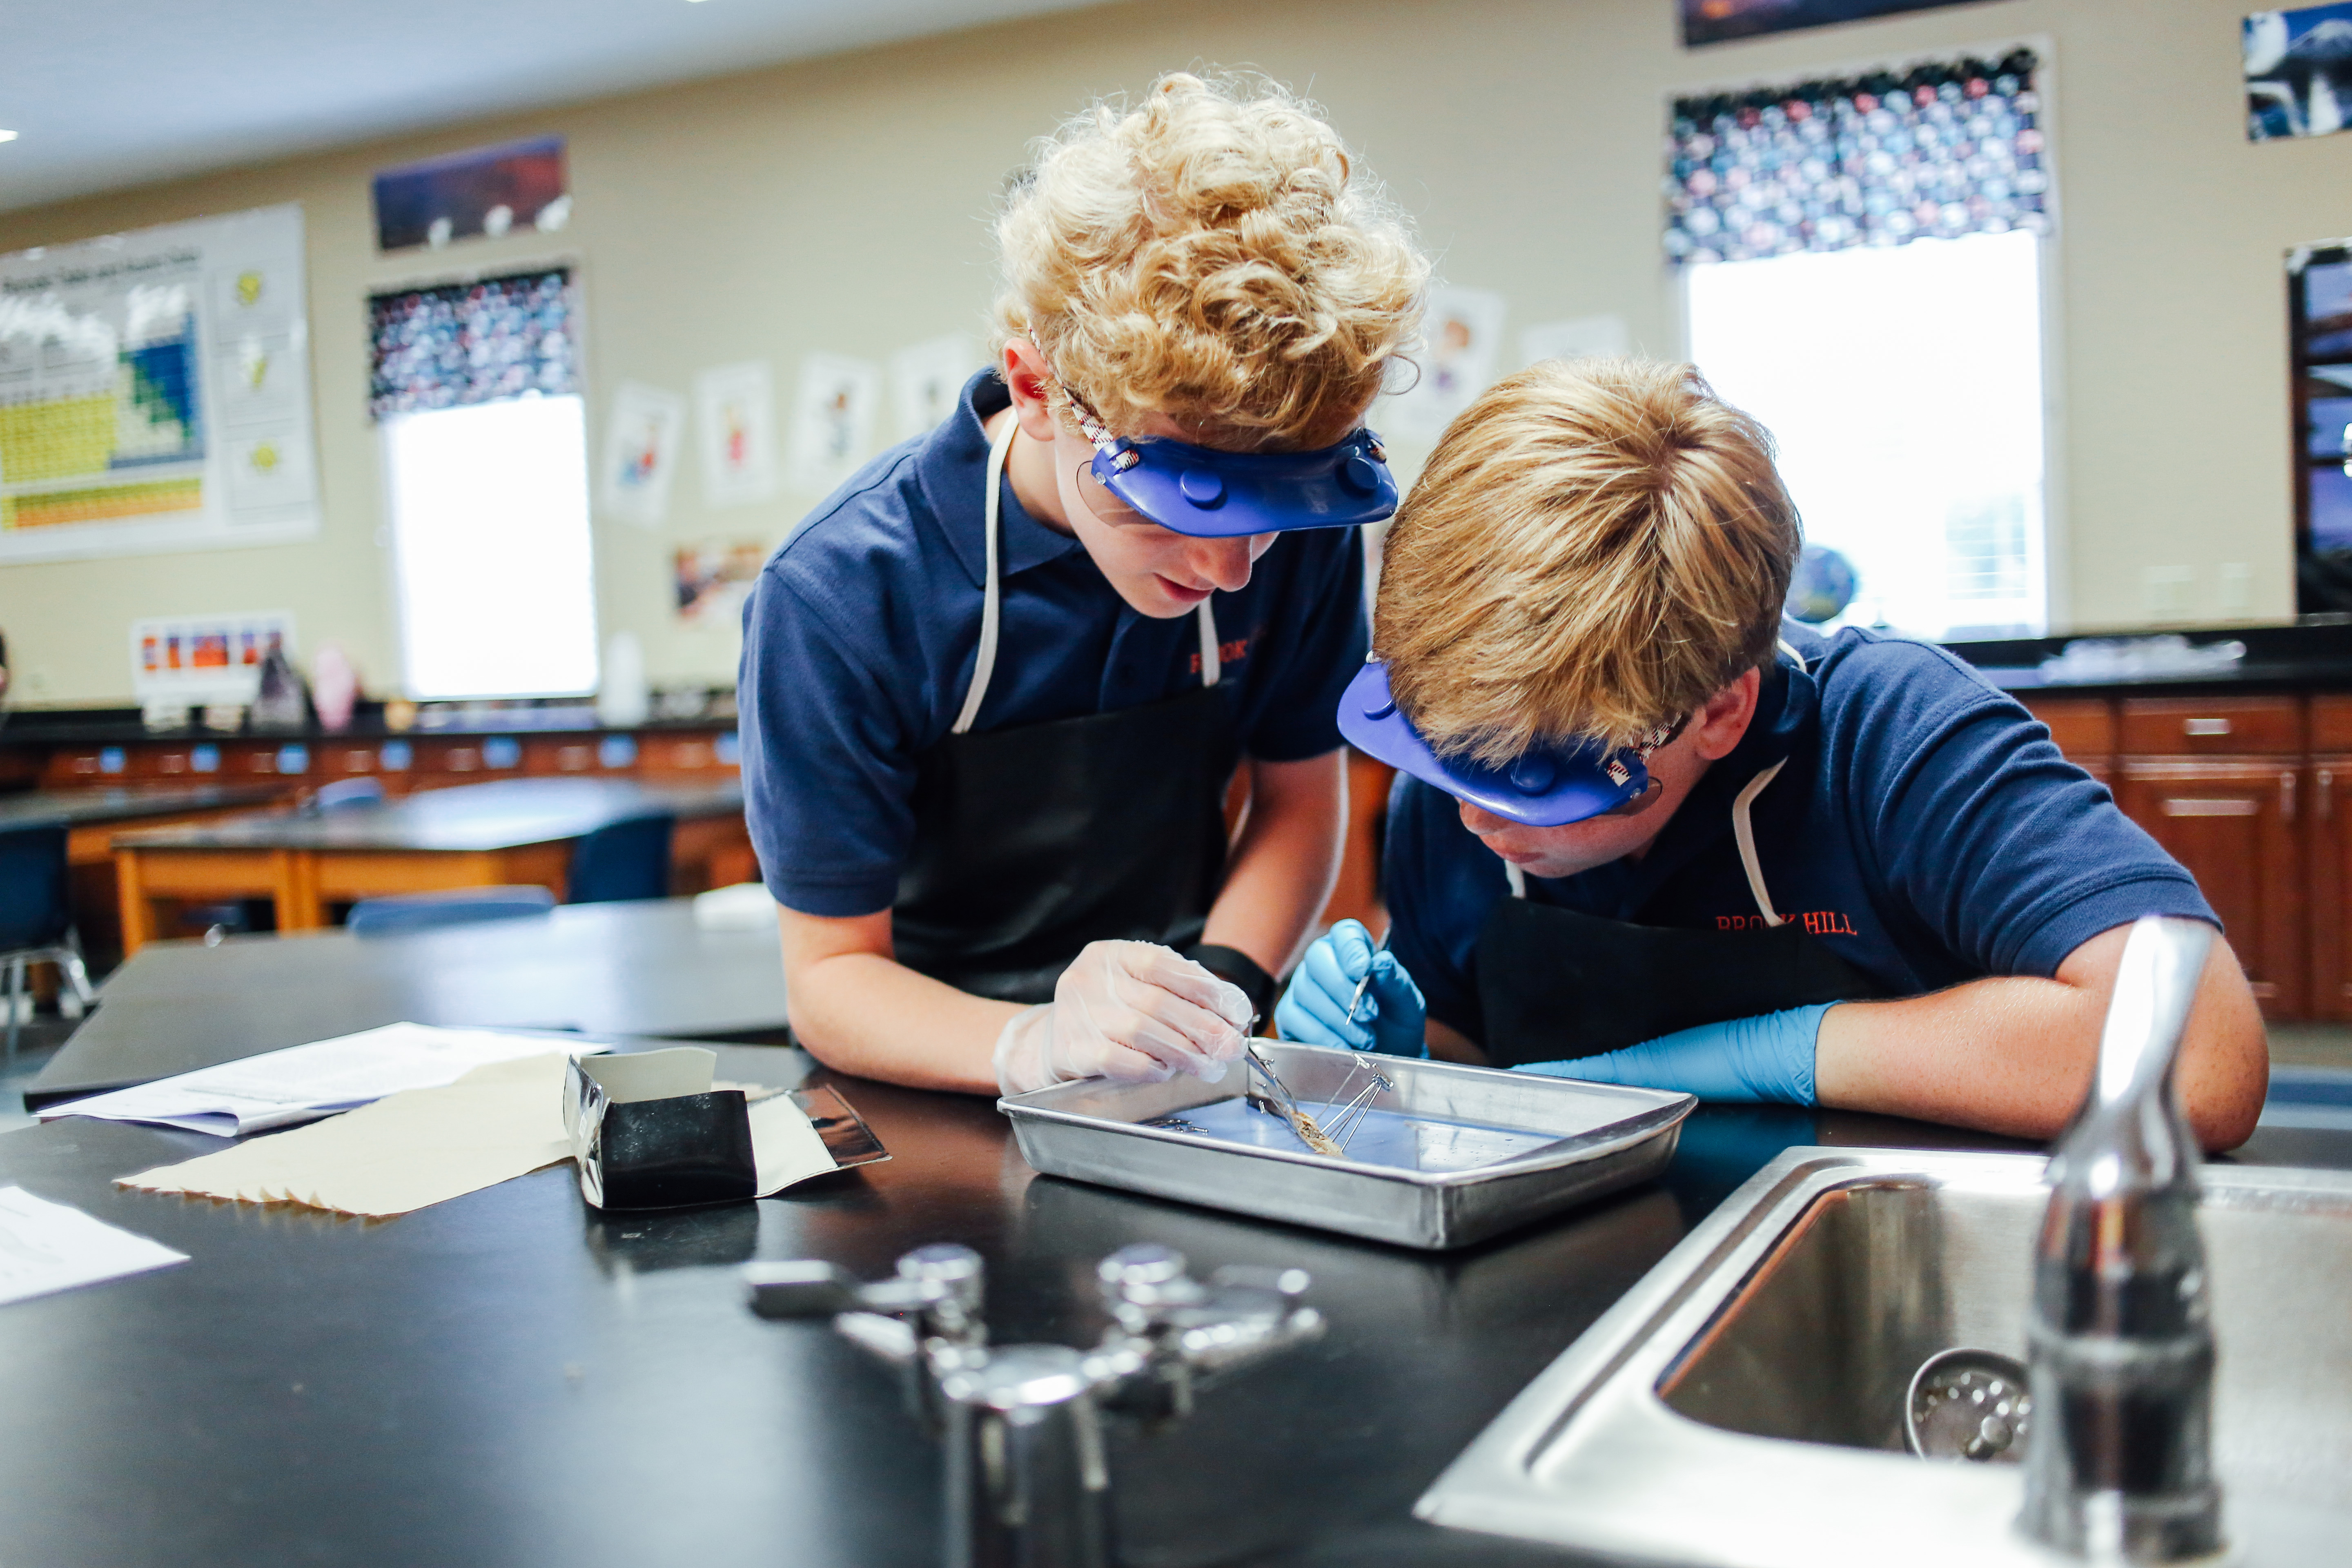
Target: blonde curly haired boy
x=994 y=690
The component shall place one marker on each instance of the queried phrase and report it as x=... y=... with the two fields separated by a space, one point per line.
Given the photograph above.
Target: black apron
x=1557 y=983
x=1034 y=841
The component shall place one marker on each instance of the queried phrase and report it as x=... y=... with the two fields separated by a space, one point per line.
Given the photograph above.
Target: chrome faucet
x=1027 y=1485
x=2120 y=1344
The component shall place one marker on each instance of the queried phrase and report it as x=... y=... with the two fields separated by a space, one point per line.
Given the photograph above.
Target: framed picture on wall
x=2298 y=72
x=2320 y=348
x=1719 y=21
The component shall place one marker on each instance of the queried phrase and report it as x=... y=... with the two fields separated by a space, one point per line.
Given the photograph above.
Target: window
x=484 y=433
x=490 y=549
x=1861 y=268
x=1904 y=385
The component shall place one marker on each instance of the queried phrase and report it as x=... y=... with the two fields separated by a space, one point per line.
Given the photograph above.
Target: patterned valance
x=1942 y=151
x=457 y=343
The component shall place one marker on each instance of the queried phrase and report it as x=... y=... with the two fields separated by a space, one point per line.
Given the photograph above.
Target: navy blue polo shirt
x=860 y=636
x=1925 y=827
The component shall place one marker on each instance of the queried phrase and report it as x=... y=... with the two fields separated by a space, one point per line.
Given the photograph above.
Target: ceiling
x=105 y=93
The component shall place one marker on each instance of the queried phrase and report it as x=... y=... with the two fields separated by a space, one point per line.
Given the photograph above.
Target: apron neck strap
x=1743 y=830
x=984 y=665
x=992 y=597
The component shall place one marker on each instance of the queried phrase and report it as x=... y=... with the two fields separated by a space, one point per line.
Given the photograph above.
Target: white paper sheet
x=47 y=1246
x=405 y=1152
x=302 y=1083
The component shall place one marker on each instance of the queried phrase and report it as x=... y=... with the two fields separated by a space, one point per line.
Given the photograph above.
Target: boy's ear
x=1725 y=719
x=1026 y=374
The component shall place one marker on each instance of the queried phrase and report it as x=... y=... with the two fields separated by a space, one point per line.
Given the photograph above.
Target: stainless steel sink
x=1743 y=1405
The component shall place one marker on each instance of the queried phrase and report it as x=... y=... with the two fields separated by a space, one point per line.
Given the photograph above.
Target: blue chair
x=35 y=921
x=397 y=914
x=623 y=859
x=344 y=794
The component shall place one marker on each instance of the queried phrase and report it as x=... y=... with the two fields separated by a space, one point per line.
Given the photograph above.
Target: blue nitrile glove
x=1392 y=1019
x=1765 y=1059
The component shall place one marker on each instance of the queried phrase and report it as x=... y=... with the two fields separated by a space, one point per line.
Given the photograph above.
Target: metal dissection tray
x=1447 y=1155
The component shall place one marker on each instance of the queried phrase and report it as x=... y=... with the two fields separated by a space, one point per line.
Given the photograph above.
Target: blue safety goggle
x=1210 y=494
x=1547 y=786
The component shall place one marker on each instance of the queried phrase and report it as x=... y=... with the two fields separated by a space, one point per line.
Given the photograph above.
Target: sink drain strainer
x=1967 y=1404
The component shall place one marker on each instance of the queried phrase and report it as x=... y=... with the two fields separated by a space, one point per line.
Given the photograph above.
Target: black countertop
x=2303 y=657
x=638 y=966
x=503 y=814
x=49 y=726
x=511 y=1379
x=84 y=808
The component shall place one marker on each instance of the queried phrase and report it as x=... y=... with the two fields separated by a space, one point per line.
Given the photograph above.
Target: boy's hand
x=1391 y=1018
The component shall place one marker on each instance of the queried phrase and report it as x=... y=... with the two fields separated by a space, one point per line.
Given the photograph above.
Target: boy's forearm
x=1280 y=875
x=860 y=1011
x=2016 y=1054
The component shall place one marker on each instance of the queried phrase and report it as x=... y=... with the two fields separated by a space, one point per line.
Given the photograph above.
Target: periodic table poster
x=155 y=390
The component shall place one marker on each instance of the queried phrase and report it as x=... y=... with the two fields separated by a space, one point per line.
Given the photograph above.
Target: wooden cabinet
x=2254 y=795
x=2085 y=728
x=2330 y=862
x=2236 y=823
x=2196 y=727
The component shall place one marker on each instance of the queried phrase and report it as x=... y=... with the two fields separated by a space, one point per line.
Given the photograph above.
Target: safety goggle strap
x=1620 y=775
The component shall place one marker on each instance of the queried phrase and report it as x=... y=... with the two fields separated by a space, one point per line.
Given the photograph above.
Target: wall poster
x=641 y=445
x=735 y=406
x=927 y=378
x=2298 y=72
x=833 y=421
x=714 y=576
x=1463 y=329
x=155 y=390
x=1715 y=21
x=482 y=191
x=194 y=659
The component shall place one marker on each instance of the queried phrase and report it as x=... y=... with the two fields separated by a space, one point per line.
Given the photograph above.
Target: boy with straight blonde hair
x=994 y=689
x=1647 y=832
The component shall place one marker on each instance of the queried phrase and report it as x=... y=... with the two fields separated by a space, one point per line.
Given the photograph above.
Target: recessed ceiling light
x=7 y=136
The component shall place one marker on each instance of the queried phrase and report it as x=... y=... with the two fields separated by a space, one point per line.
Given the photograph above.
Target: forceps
x=1357 y=999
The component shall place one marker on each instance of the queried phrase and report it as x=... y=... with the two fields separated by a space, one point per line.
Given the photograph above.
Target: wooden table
x=90 y=816
x=512 y=832
x=641 y=967
x=93 y=817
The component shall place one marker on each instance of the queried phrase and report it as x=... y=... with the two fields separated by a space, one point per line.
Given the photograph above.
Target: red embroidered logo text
x=1231 y=652
x=1816 y=922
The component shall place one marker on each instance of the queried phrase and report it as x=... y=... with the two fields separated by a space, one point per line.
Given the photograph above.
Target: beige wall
x=839 y=205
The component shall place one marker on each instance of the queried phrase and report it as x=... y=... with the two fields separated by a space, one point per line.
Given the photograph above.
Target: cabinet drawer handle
x=2204 y=726
x=2179 y=807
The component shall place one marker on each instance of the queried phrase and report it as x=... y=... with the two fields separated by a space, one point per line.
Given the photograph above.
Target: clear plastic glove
x=1133 y=1011
x=1767 y=1059
x=1392 y=1019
